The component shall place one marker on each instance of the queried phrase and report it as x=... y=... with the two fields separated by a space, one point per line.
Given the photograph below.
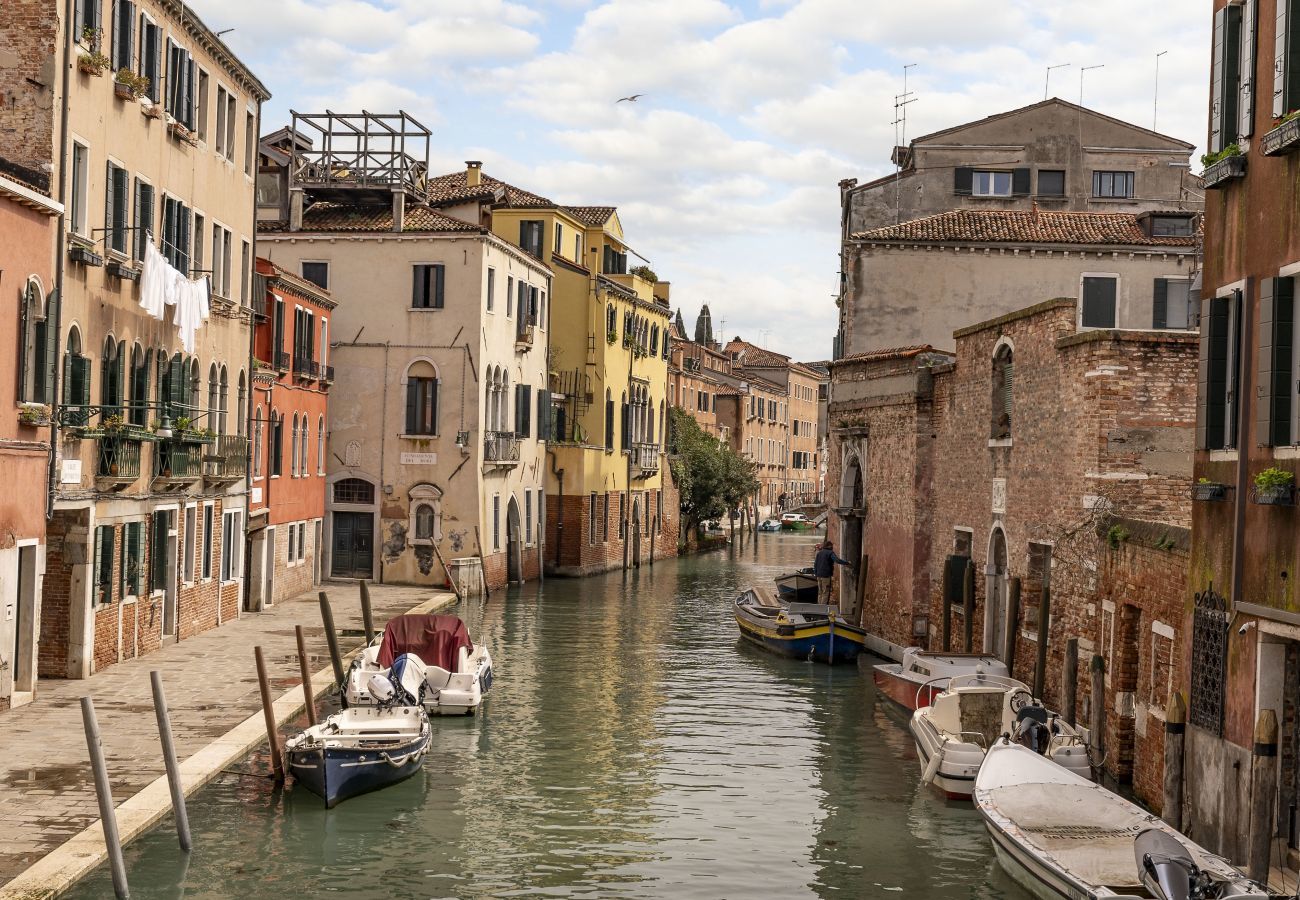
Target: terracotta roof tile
x=591 y=215
x=1023 y=227
x=453 y=189
x=750 y=355
x=370 y=218
x=889 y=353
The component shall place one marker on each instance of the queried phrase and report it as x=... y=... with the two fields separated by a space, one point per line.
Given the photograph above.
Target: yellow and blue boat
x=798 y=630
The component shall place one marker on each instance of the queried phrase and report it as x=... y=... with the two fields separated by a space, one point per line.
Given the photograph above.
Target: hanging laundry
x=192 y=310
x=163 y=285
x=153 y=280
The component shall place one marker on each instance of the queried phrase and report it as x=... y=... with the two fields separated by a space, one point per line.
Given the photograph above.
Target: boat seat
x=436 y=677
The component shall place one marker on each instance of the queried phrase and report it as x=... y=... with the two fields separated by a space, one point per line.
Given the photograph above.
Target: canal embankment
x=50 y=832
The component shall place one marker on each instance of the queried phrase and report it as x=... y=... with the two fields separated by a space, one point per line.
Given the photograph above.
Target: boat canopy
x=435 y=639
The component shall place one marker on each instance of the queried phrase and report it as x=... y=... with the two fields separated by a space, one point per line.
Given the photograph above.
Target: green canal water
x=632 y=746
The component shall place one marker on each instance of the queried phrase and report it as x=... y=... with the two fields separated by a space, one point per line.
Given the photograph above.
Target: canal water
x=632 y=746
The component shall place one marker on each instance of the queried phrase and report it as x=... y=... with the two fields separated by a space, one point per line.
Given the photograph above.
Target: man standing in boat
x=824 y=569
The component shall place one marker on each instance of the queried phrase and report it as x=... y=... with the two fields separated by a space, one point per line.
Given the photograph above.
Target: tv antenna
x=901 y=102
x=1155 y=100
x=1048 y=80
x=1081 y=71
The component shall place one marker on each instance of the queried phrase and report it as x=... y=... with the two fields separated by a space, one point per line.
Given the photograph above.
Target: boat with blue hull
x=358 y=750
x=799 y=587
x=798 y=630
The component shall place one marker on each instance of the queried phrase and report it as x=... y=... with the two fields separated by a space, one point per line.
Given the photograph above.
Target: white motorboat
x=431 y=659
x=923 y=674
x=955 y=731
x=1061 y=836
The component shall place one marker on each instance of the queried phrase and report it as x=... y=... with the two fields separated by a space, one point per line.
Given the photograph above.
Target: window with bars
x=103 y=578
x=354 y=490
x=159 y=535
x=1003 y=391
x=207 y=541
x=1210 y=620
x=132 y=570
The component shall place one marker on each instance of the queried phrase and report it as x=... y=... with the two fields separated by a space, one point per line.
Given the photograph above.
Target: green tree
x=711 y=477
x=644 y=272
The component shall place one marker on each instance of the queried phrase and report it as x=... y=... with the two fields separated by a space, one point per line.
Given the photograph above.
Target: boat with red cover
x=429 y=657
x=922 y=674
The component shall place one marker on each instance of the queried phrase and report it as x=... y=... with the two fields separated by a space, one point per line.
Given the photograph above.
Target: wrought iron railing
x=327 y=374
x=177 y=461
x=227 y=458
x=117 y=460
x=524 y=335
x=305 y=368
x=281 y=360
x=501 y=447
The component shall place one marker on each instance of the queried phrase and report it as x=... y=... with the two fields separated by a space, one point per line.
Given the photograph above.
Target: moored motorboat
x=922 y=674
x=800 y=586
x=770 y=525
x=1061 y=836
x=795 y=522
x=798 y=630
x=440 y=667
x=954 y=732
x=358 y=750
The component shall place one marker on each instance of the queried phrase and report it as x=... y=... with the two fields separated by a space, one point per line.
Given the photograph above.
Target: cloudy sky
x=725 y=173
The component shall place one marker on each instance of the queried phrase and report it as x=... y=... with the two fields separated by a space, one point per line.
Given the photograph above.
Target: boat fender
x=932 y=768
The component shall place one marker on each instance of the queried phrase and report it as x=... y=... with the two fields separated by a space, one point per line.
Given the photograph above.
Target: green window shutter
x=1266 y=359
x=98 y=564
x=439 y=275
x=1283 y=356
x=1215 y=336
x=49 y=341
x=1246 y=55
x=413 y=406
x=609 y=424
x=543 y=415
x=432 y=384
x=1160 y=304
x=1020 y=181
x=81 y=379
x=963 y=179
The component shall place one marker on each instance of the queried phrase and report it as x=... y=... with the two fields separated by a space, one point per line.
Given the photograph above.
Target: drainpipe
x=60 y=257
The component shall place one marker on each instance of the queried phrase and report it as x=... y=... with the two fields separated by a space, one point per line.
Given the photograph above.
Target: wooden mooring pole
x=308 y=695
x=272 y=733
x=1070 y=689
x=169 y=761
x=367 y=621
x=1263 y=791
x=1013 y=624
x=1097 y=711
x=947 y=609
x=1044 y=633
x=104 y=793
x=1175 y=735
x=968 y=607
x=331 y=637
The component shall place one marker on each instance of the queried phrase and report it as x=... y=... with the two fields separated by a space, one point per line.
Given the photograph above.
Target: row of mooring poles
x=99 y=766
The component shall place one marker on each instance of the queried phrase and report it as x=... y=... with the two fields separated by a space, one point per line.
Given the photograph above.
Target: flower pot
x=1209 y=492
x=123 y=91
x=1275 y=495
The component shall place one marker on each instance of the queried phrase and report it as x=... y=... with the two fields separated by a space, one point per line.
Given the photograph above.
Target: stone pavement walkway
x=47 y=794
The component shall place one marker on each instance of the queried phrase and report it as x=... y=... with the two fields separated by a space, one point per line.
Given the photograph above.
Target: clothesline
x=163 y=285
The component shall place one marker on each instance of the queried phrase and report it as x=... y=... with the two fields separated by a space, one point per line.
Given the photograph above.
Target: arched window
x=276 y=451
x=611 y=323
x=1003 y=389
x=302 y=451
x=241 y=411
x=194 y=396
x=293 y=449
x=76 y=383
x=214 y=399
x=354 y=490
x=423 y=522
x=421 y=398
x=223 y=402
x=426 y=514
x=111 y=377
x=36 y=329
x=139 y=384
x=257 y=442
x=320 y=446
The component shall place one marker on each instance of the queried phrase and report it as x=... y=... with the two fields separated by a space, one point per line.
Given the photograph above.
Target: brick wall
x=65 y=547
x=571 y=552
x=29 y=35
x=292 y=579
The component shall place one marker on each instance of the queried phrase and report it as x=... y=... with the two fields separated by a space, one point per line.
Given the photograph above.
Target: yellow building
x=608 y=375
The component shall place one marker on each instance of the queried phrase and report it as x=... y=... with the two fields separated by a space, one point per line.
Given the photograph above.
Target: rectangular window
x=293 y=538
x=302 y=541
x=604 y=517
x=427 y=290
x=143 y=216
x=961 y=542
x=1171 y=226
x=180 y=84
x=196 y=245
x=151 y=56
x=227 y=242
x=191 y=543
x=201 y=106
x=1171 y=304
x=991 y=184
x=1218 y=373
x=528 y=511
x=86 y=16
x=221 y=121
x=176 y=228
x=530 y=237
x=104 y=564
x=230 y=542
x=116 y=208
x=80 y=187
x=1274 y=409
x=245 y=272
x=207 y=542
x=496 y=523
x=1051 y=183
x=491 y=288
x=421 y=405
x=123 y=35
x=510 y=289
x=1097 y=309
x=159 y=536
x=132 y=570
x=1286 y=57
x=591 y=520
x=1112 y=184
x=250 y=143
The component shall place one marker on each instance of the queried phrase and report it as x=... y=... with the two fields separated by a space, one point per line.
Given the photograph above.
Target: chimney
x=473 y=173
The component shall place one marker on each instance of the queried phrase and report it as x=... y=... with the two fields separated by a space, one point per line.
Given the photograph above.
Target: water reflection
x=632 y=747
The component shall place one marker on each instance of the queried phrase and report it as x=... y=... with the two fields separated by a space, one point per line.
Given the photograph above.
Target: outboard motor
x=1166 y=867
x=381 y=689
x=407 y=675
x=1031 y=725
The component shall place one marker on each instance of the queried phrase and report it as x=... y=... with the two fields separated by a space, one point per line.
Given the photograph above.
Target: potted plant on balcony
x=1208 y=490
x=1274 y=487
x=1284 y=135
x=1225 y=165
x=612 y=336
x=128 y=85
x=34 y=415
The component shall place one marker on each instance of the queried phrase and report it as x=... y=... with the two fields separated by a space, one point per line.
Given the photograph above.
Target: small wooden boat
x=1061 y=836
x=770 y=525
x=795 y=522
x=359 y=750
x=798 y=630
x=922 y=674
x=953 y=734
x=428 y=657
x=800 y=586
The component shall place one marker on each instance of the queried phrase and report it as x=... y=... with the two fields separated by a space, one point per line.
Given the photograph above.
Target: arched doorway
x=853 y=514
x=514 y=544
x=995 y=574
x=636 y=533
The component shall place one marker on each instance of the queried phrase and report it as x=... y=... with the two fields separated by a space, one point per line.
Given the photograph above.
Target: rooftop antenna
x=1081 y=71
x=1048 y=80
x=1155 y=100
x=901 y=102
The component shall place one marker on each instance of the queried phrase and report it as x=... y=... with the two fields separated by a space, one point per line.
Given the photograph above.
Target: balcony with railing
x=501 y=448
x=524 y=336
x=117 y=461
x=227 y=458
x=176 y=463
x=327 y=374
x=645 y=460
x=281 y=360
x=307 y=369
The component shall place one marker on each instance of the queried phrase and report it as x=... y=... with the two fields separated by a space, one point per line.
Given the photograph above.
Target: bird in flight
x=631 y=99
